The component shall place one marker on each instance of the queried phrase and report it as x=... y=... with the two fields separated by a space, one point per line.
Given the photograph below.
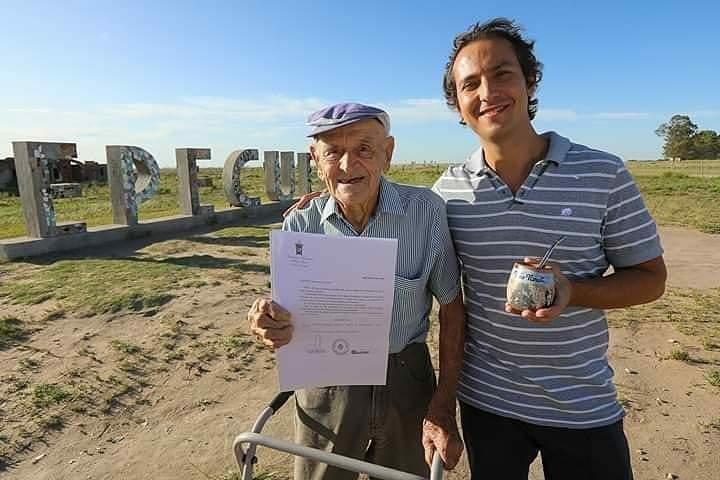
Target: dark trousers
x=503 y=448
x=379 y=424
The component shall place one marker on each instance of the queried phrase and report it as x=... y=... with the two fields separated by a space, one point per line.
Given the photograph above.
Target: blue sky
x=229 y=75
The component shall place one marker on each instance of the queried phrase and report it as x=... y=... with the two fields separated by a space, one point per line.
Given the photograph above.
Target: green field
x=685 y=194
x=700 y=168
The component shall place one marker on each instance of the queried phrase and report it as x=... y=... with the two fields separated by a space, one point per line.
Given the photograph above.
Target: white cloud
x=418 y=110
x=619 y=115
x=557 y=114
x=274 y=108
x=705 y=113
x=27 y=110
x=571 y=115
x=273 y=122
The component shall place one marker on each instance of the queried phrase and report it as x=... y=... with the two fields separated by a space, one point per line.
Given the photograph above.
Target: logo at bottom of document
x=316 y=346
x=340 y=346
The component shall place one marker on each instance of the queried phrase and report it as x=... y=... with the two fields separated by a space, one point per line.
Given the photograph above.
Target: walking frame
x=246 y=443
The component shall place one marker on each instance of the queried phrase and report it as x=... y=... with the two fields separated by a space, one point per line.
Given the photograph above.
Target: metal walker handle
x=246 y=457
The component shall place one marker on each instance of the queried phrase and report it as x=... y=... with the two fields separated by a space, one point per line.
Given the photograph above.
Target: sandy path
x=692 y=258
x=185 y=424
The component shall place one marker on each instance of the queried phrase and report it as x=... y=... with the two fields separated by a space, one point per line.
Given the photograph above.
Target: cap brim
x=320 y=129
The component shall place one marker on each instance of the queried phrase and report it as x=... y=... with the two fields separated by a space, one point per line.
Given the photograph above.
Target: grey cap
x=341 y=114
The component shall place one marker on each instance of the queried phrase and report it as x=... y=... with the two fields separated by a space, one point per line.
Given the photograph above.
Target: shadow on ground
x=258 y=237
x=206 y=261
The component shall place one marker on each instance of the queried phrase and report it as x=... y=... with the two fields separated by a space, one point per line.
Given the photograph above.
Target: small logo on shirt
x=566 y=212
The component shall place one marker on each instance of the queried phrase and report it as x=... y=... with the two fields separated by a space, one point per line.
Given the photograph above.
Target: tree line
x=684 y=141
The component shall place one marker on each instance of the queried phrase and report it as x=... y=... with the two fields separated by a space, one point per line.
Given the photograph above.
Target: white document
x=339 y=291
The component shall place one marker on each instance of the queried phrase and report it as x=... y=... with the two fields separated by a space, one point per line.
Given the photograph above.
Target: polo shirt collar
x=558 y=148
x=389 y=202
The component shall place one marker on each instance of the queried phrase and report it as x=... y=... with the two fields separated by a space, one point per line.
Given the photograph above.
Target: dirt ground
x=194 y=378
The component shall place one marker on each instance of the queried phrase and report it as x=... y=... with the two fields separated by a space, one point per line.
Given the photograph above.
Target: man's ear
x=389 y=149
x=315 y=157
x=531 y=89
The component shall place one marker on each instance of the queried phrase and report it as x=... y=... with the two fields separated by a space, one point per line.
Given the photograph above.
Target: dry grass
x=12 y=332
x=689 y=308
x=680 y=355
x=95 y=286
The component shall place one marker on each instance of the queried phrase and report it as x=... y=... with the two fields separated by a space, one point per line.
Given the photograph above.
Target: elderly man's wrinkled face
x=351 y=160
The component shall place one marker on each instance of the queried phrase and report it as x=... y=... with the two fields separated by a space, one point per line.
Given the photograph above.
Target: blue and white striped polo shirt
x=426 y=262
x=554 y=374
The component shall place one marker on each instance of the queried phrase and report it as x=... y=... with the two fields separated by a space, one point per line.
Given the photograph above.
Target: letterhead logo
x=298 y=248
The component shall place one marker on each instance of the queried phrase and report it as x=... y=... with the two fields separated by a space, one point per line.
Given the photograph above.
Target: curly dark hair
x=495 y=28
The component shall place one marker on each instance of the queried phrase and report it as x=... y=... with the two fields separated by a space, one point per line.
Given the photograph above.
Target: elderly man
x=400 y=424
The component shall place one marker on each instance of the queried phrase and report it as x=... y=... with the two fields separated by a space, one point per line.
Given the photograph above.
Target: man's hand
x=302 y=202
x=270 y=323
x=440 y=433
x=563 y=291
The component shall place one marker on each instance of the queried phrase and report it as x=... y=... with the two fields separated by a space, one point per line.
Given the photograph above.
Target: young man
x=539 y=381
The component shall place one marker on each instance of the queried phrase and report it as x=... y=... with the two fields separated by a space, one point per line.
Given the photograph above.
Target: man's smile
x=350 y=181
x=493 y=110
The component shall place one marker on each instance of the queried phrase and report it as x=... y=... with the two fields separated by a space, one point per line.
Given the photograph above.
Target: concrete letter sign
x=187 y=172
x=232 y=183
x=134 y=177
x=34 y=164
x=286 y=189
x=304 y=169
x=271 y=166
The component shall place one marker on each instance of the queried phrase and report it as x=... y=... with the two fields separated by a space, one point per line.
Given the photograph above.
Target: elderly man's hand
x=440 y=433
x=270 y=323
x=563 y=292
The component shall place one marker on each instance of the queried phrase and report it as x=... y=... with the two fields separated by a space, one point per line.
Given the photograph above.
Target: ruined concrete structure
x=205 y=182
x=8 y=178
x=65 y=190
x=64 y=170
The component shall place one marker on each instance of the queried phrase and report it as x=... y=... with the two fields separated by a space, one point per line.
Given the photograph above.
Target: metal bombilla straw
x=546 y=257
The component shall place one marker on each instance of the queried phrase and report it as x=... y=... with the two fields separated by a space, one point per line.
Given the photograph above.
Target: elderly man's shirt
x=556 y=373
x=426 y=262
